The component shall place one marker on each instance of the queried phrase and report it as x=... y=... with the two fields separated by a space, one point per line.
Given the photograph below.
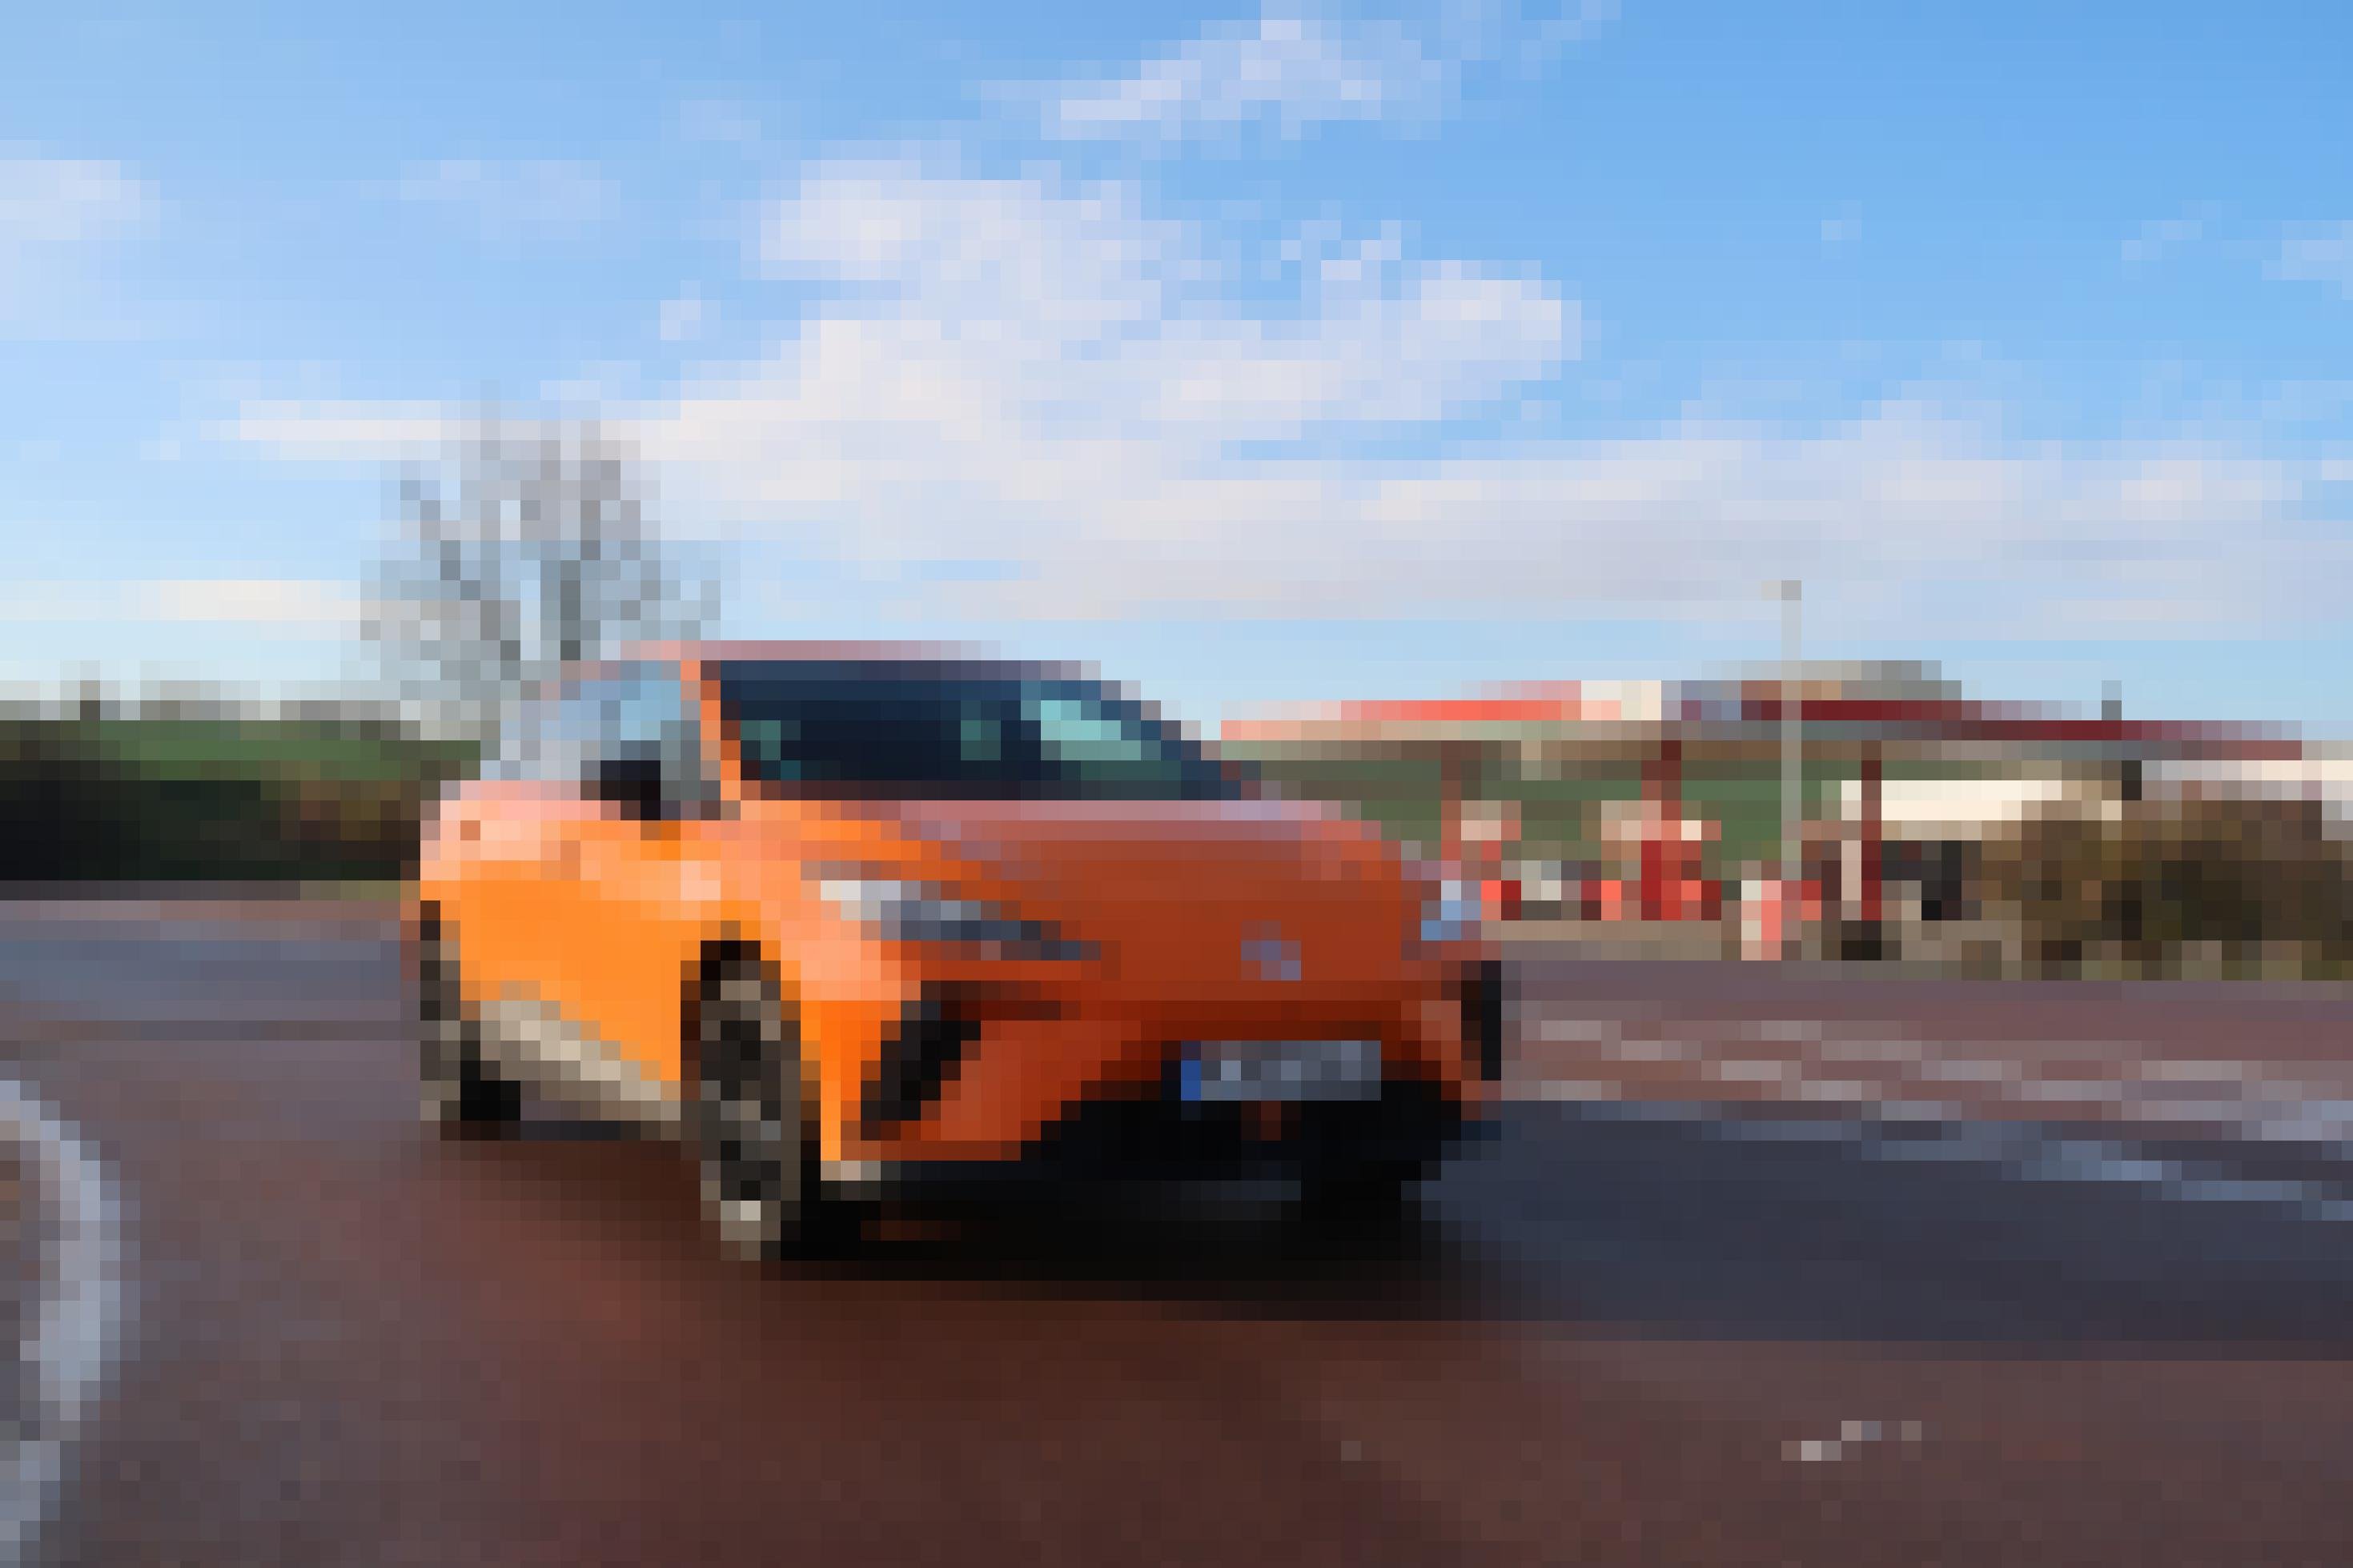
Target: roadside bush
x=168 y=800
x=2144 y=884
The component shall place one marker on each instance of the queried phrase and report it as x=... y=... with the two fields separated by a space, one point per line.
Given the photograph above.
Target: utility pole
x=1792 y=595
x=2129 y=761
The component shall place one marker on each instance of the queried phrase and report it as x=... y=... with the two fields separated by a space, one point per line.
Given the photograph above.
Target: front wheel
x=752 y=1117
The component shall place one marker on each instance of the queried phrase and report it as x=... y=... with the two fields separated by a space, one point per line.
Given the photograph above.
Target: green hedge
x=213 y=799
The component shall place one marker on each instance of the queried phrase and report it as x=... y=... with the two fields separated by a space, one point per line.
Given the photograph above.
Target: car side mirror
x=632 y=784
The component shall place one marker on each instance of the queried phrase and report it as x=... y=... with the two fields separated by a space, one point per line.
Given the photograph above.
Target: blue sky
x=1252 y=355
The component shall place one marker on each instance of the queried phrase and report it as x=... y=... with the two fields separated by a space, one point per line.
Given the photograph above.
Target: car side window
x=1103 y=742
x=625 y=735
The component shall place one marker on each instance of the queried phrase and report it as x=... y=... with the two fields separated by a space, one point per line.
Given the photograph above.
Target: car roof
x=934 y=657
x=795 y=649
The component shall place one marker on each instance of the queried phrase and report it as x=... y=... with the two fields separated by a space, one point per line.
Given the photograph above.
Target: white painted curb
x=76 y=1225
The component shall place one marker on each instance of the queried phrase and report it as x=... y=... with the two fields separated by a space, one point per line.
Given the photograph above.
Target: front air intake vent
x=920 y=1056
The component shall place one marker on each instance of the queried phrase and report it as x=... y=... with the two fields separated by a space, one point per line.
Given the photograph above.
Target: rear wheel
x=753 y=1115
x=460 y=1095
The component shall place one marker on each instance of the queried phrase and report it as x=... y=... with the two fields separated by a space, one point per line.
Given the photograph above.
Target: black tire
x=461 y=1096
x=1359 y=1194
x=753 y=1115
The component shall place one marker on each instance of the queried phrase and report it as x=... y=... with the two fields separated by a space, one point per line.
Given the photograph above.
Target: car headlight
x=918 y=911
x=1450 y=913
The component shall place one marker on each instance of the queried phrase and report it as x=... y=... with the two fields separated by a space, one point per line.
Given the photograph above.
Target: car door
x=640 y=879
x=506 y=888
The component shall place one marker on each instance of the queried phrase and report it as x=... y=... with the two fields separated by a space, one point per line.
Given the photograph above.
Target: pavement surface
x=1675 y=1322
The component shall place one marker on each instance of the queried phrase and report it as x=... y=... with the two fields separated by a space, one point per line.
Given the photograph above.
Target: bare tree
x=527 y=546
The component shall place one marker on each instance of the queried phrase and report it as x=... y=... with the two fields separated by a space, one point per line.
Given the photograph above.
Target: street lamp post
x=1792 y=595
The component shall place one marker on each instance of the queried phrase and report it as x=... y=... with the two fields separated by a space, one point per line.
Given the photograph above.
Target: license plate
x=1283 y=1070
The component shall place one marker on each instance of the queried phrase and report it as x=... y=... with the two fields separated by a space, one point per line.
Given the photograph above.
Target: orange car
x=843 y=919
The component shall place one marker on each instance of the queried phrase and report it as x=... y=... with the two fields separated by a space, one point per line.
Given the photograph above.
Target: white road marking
x=1940 y=1101
x=1852 y=1434
x=2018 y=1150
x=2108 y=1075
x=78 y=1316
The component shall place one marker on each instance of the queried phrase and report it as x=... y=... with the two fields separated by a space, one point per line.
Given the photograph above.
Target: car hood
x=1281 y=892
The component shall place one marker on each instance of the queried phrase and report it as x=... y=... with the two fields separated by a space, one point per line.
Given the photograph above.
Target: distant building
x=1670 y=790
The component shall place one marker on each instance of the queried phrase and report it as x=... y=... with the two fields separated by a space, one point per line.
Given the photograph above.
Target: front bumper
x=1159 y=1136
x=985 y=1068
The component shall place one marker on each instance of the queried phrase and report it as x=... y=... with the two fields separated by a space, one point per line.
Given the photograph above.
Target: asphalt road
x=1609 y=1338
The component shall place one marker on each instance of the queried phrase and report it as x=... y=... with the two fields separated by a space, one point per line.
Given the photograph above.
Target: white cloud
x=1026 y=301
x=67 y=201
x=284 y=602
x=1286 y=70
x=682 y=318
x=1291 y=71
x=720 y=122
x=341 y=431
x=59 y=218
x=294 y=605
x=2316 y=253
x=1050 y=377
x=510 y=201
x=2160 y=238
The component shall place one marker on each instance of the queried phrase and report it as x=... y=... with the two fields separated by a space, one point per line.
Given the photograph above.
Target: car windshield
x=895 y=729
